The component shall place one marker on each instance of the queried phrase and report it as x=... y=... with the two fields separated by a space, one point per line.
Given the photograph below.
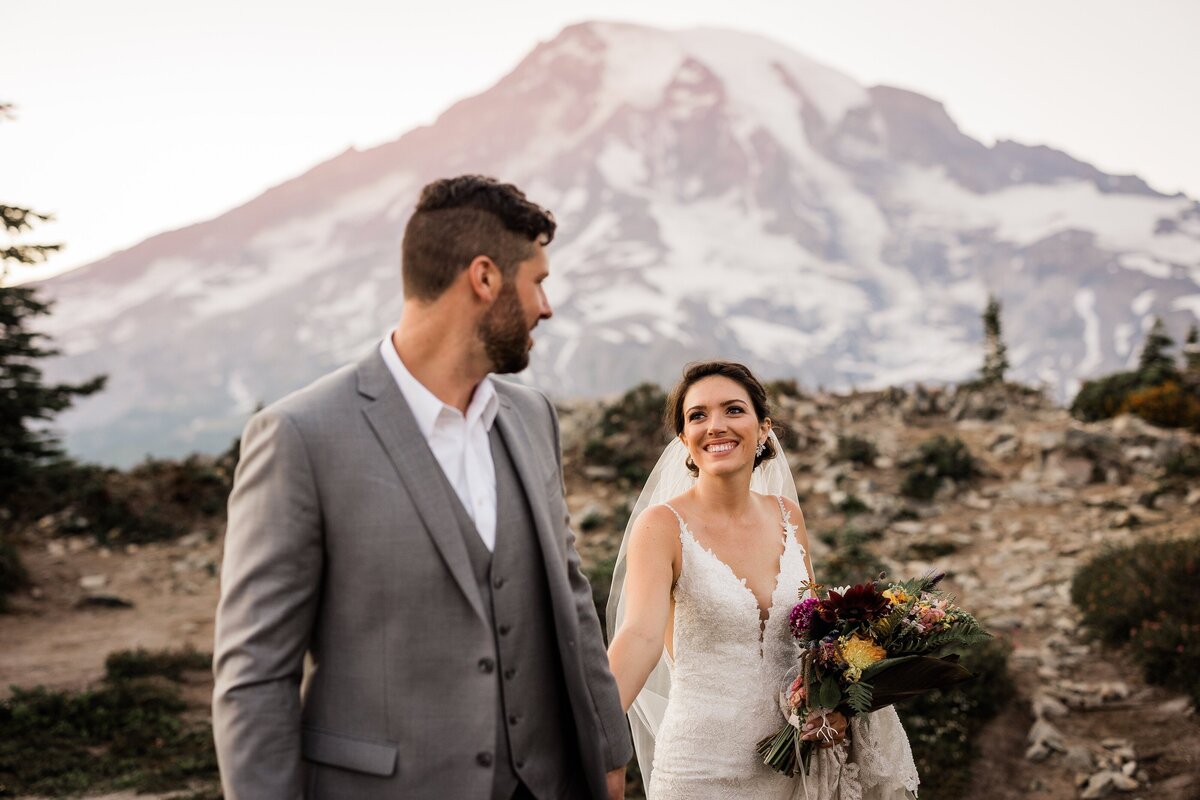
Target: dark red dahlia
x=860 y=603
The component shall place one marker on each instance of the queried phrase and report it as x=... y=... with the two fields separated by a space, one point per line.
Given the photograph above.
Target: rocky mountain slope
x=1051 y=494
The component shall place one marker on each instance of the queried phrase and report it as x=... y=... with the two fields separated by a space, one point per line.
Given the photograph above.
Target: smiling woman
x=700 y=649
x=733 y=393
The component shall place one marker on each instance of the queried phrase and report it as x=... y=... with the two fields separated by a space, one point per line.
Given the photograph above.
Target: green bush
x=943 y=726
x=1167 y=405
x=937 y=459
x=590 y=521
x=599 y=576
x=630 y=435
x=12 y=573
x=1119 y=590
x=855 y=450
x=157 y=500
x=1103 y=398
x=1147 y=594
x=851 y=560
x=1167 y=649
x=1184 y=463
x=851 y=505
x=127 y=733
x=172 y=664
x=784 y=387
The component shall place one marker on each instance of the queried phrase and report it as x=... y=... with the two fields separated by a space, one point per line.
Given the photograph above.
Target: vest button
x=510 y=673
x=498 y=582
x=486 y=665
x=504 y=629
x=484 y=759
x=513 y=719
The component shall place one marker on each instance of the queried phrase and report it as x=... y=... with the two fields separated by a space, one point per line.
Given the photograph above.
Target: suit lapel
x=393 y=423
x=516 y=438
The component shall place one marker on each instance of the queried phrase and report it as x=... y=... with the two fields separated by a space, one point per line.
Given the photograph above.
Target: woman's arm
x=649 y=575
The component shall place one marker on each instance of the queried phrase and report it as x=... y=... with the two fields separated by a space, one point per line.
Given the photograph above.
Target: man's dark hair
x=459 y=219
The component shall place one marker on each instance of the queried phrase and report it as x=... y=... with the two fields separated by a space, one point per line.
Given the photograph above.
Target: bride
x=706 y=576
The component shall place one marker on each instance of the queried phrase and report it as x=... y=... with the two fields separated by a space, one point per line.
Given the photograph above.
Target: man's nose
x=545 y=312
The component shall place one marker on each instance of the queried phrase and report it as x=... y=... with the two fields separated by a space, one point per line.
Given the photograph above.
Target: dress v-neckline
x=764 y=614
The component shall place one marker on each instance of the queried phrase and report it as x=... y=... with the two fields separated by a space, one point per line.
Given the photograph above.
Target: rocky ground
x=1053 y=493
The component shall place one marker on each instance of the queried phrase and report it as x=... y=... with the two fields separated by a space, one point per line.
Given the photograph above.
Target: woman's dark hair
x=459 y=219
x=739 y=373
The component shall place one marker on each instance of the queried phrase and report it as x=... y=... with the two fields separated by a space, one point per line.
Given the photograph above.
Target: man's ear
x=484 y=278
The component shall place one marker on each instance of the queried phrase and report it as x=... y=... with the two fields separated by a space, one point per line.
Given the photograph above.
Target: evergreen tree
x=27 y=403
x=1191 y=350
x=995 y=354
x=1155 y=365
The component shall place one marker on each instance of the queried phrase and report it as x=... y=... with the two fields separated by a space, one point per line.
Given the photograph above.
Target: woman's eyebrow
x=722 y=403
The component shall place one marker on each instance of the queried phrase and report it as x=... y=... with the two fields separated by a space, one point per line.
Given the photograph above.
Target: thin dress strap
x=783 y=510
x=676 y=513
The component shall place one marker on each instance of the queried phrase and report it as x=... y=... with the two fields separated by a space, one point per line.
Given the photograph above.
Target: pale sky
x=140 y=116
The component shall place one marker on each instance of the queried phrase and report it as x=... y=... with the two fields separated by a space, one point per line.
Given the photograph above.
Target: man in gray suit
x=402 y=522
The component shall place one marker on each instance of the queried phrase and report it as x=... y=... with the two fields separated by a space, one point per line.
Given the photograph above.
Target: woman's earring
x=691 y=465
x=758 y=451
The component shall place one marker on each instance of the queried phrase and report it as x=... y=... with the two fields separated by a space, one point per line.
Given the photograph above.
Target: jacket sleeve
x=270 y=583
x=617 y=746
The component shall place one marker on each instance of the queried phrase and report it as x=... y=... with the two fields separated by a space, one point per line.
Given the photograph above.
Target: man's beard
x=504 y=333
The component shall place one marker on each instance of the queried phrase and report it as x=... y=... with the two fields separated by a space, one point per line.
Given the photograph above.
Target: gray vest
x=535 y=733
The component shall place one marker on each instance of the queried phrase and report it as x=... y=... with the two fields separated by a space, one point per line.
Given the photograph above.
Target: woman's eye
x=695 y=416
x=736 y=409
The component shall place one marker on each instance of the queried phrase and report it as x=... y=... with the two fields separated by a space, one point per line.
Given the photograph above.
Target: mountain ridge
x=718 y=194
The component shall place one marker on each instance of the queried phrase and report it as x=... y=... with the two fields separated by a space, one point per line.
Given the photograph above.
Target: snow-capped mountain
x=718 y=194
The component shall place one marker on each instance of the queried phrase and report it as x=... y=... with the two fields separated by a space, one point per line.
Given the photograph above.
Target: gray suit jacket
x=340 y=546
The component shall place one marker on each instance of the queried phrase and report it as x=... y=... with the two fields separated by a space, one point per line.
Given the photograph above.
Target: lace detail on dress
x=726 y=675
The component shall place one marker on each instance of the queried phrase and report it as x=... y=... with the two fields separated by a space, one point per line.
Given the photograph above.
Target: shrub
x=782 y=388
x=851 y=560
x=942 y=726
x=1183 y=463
x=630 y=434
x=12 y=574
x=590 y=521
x=599 y=576
x=855 y=450
x=1104 y=397
x=155 y=501
x=127 y=733
x=1148 y=594
x=1168 y=649
x=851 y=505
x=140 y=663
x=937 y=459
x=1168 y=405
x=1119 y=590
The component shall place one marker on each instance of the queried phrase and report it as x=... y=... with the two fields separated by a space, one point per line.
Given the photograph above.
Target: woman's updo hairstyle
x=697 y=371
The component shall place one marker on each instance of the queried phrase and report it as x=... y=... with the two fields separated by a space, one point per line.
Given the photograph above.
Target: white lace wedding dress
x=725 y=683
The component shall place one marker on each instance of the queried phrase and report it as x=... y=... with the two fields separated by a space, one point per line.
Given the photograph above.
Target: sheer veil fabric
x=670 y=478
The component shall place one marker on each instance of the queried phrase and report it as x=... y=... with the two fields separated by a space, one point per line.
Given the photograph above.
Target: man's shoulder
x=525 y=399
x=331 y=392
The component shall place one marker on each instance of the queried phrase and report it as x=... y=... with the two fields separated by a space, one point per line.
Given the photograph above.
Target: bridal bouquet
x=862 y=648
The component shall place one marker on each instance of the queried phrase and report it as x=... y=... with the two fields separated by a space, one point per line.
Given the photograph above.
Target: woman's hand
x=825 y=729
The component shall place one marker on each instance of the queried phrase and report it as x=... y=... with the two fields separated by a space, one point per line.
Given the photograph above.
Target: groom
x=401 y=523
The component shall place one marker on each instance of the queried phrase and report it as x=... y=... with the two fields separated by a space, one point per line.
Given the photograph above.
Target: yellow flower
x=860 y=653
x=896 y=595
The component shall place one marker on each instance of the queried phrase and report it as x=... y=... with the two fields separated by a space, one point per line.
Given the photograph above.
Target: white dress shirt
x=459 y=442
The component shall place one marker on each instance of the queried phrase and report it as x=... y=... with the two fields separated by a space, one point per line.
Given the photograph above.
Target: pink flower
x=796 y=694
